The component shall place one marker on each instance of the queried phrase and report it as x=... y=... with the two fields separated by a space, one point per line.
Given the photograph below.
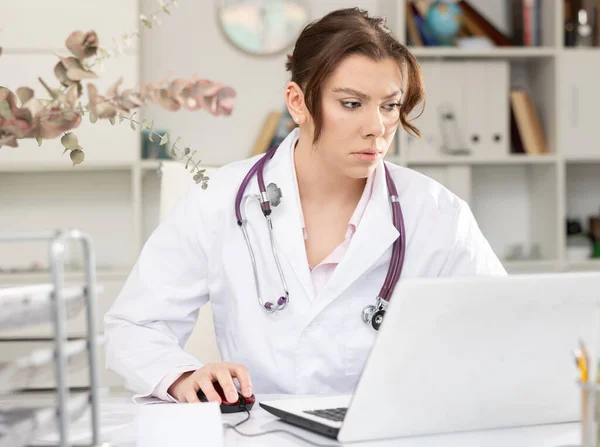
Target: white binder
x=452 y=101
x=497 y=109
x=428 y=145
x=486 y=95
x=477 y=93
x=474 y=89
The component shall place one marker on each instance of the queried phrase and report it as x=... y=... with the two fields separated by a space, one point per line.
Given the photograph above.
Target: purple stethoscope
x=271 y=196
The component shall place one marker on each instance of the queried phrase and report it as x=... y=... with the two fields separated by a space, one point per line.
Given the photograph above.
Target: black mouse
x=242 y=403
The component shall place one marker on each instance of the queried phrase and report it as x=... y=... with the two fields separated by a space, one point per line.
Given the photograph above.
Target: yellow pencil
x=583 y=360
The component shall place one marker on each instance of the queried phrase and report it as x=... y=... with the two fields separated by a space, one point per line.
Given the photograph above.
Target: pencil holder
x=590 y=414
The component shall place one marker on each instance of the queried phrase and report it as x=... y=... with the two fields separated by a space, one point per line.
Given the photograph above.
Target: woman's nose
x=374 y=124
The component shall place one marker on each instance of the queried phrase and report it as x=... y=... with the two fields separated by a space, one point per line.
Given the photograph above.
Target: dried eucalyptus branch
x=22 y=115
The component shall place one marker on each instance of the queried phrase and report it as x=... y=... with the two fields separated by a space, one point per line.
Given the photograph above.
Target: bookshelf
x=524 y=199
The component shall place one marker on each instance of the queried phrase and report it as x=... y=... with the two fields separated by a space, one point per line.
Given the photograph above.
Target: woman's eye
x=351 y=104
x=391 y=107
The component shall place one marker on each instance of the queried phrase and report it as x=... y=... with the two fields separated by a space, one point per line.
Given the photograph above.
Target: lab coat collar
x=374 y=235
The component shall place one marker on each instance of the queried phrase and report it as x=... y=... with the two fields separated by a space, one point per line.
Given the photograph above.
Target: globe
x=443 y=20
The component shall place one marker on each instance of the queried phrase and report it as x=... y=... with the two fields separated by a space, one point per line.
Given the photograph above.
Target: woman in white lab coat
x=352 y=84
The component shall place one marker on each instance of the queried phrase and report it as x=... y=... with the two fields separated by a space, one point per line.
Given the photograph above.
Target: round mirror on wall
x=262 y=27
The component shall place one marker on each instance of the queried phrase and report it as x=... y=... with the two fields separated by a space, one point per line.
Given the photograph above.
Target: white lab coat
x=318 y=344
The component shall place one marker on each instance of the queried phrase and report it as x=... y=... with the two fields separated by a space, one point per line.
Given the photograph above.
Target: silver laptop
x=463 y=354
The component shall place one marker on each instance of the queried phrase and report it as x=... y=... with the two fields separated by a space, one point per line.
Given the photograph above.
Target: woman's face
x=360 y=110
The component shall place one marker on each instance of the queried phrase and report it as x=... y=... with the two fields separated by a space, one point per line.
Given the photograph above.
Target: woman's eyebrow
x=362 y=95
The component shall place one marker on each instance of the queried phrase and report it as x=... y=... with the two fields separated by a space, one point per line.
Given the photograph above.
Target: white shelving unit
x=519 y=198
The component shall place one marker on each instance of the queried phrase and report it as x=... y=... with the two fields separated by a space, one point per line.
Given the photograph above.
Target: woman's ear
x=294 y=98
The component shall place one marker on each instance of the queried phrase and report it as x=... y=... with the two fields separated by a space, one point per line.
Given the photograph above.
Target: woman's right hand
x=186 y=387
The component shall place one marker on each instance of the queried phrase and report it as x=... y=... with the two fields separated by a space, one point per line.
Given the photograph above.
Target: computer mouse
x=242 y=403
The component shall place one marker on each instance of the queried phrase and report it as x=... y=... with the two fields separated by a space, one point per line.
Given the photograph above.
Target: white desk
x=118 y=423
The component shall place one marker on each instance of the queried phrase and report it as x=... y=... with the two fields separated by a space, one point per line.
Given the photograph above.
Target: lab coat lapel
x=374 y=235
x=286 y=216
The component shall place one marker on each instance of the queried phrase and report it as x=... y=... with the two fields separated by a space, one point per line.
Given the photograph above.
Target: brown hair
x=323 y=44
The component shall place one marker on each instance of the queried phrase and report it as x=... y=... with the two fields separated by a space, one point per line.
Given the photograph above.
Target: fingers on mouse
x=241 y=404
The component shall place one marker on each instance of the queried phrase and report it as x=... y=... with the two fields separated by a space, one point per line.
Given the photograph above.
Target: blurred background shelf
x=35 y=277
x=531 y=266
x=64 y=166
x=491 y=53
x=482 y=160
x=582 y=266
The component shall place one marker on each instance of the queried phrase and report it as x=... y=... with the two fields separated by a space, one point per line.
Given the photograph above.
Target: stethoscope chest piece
x=274 y=193
x=377 y=319
x=373 y=314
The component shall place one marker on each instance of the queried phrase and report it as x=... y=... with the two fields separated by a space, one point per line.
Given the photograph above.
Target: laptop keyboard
x=333 y=414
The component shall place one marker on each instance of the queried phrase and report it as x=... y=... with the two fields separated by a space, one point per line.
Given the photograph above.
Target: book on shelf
x=481 y=25
x=524 y=18
x=277 y=125
x=419 y=33
x=527 y=136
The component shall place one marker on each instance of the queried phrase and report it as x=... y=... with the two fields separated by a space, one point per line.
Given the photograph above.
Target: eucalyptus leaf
x=93 y=118
x=147 y=22
x=103 y=52
x=24 y=94
x=204 y=185
x=5 y=110
x=132 y=124
x=66 y=150
x=112 y=120
x=39 y=141
x=144 y=124
x=156 y=19
x=177 y=140
x=69 y=141
x=187 y=150
x=173 y=153
x=120 y=118
x=187 y=163
x=77 y=156
x=164 y=140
